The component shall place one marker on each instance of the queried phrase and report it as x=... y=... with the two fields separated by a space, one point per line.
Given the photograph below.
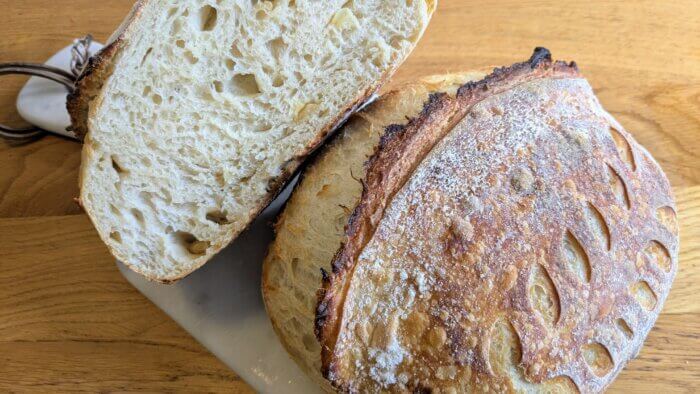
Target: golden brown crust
x=386 y=173
x=404 y=148
x=328 y=184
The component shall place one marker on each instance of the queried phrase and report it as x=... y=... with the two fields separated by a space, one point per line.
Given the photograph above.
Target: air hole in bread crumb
x=644 y=295
x=191 y=58
x=543 y=295
x=263 y=127
x=267 y=69
x=277 y=47
x=219 y=175
x=303 y=111
x=623 y=148
x=230 y=64
x=618 y=187
x=380 y=53
x=207 y=18
x=218 y=86
x=157 y=99
x=624 y=328
x=115 y=236
x=396 y=42
x=245 y=85
x=598 y=359
x=145 y=56
x=235 y=51
x=667 y=217
x=576 y=258
x=191 y=243
x=658 y=254
x=345 y=20
x=218 y=217
x=260 y=15
x=147 y=91
x=308 y=58
x=180 y=43
x=138 y=215
x=597 y=225
x=115 y=165
x=300 y=78
x=277 y=81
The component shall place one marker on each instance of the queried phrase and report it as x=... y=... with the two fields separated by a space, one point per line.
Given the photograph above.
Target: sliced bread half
x=198 y=112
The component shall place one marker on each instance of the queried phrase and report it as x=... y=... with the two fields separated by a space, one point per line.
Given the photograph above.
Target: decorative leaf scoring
x=623 y=148
x=624 y=327
x=618 y=187
x=505 y=356
x=597 y=225
x=504 y=351
x=576 y=258
x=667 y=217
x=644 y=295
x=543 y=295
x=598 y=359
x=658 y=253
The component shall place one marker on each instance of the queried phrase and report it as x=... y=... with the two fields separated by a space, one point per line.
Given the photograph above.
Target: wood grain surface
x=69 y=322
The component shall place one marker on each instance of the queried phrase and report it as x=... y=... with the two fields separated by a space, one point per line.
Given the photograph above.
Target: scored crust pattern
x=534 y=245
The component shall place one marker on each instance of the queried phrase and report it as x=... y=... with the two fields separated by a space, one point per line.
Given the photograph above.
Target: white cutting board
x=220 y=305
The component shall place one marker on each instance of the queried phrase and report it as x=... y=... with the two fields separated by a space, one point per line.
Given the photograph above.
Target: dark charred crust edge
x=380 y=182
x=87 y=87
x=98 y=69
x=314 y=157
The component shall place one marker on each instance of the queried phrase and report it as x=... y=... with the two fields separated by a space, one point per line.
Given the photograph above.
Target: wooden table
x=69 y=321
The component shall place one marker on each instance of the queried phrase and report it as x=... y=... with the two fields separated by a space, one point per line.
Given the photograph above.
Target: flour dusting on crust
x=510 y=258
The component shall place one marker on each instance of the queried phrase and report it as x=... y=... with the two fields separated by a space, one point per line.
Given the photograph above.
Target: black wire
x=37 y=70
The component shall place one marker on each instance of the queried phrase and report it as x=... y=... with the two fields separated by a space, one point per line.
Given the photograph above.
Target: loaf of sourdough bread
x=510 y=238
x=198 y=112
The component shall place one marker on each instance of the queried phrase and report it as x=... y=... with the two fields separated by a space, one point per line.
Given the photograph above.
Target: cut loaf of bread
x=199 y=111
x=310 y=228
x=510 y=238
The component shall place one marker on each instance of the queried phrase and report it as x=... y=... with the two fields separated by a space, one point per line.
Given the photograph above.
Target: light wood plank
x=68 y=321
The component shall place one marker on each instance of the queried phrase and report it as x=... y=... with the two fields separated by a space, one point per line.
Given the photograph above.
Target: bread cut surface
x=529 y=248
x=310 y=228
x=199 y=111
